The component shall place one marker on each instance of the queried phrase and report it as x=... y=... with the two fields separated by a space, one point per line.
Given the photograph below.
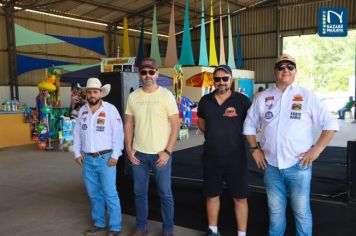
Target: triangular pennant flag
x=154 y=40
x=140 y=44
x=126 y=38
x=239 y=61
x=72 y=68
x=203 y=55
x=171 y=54
x=26 y=63
x=222 y=60
x=94 y=44
x=28 y=37
x=213 y=60
x=186 y=54
x=231 y=58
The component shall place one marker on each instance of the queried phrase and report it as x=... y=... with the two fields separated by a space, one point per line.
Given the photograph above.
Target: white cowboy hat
x=94 y=83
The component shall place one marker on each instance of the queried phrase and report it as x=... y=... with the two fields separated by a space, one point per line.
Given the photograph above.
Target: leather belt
x=96 y=154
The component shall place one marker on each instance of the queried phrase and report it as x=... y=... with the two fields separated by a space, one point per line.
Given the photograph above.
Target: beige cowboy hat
x=94 y=83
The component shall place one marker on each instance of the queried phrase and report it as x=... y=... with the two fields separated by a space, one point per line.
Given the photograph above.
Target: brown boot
x=93 y=230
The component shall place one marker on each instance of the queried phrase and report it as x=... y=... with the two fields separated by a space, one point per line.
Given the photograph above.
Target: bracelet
x=168 y=152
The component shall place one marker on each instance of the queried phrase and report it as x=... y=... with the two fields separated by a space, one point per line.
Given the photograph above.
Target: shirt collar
x=103 y=104
x=289 y=87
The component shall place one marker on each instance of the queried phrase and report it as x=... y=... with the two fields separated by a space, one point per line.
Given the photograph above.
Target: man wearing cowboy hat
x=285 y=115
x=98 y=142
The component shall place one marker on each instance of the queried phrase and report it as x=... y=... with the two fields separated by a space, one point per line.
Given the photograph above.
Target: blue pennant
x=94 y=44
x=25 y=63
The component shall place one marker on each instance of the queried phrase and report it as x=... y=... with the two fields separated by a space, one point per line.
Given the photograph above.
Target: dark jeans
x=342 y=112
x=141 y=174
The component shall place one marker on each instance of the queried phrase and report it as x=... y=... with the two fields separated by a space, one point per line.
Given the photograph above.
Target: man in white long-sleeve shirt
x=98 y=143
x=286 y=114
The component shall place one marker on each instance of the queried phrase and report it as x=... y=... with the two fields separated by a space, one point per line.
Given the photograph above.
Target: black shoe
x=210 y=233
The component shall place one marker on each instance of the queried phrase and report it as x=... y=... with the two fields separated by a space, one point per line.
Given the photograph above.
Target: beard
x=148 y=82
x=222 y=89
x=93 y=101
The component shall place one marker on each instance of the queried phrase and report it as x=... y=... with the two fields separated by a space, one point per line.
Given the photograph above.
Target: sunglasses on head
x=281 y=67
x=145 y=72
x=223 y=78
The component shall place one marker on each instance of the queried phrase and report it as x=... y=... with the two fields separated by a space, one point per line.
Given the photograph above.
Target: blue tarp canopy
x=81 y=76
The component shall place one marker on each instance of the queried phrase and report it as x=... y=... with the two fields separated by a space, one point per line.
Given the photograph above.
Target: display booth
x=195 y=93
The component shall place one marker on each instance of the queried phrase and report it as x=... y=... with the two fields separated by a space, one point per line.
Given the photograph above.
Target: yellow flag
x=126 y=38
x=213 y=60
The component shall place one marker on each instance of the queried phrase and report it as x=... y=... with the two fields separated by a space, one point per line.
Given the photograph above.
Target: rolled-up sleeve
x=252 y=120
x=322 y=116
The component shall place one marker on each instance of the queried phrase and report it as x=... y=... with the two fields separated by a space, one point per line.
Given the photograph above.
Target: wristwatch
x=253 y=149
x=168 y=152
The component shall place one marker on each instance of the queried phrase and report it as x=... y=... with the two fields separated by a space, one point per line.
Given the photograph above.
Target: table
x=13 y=129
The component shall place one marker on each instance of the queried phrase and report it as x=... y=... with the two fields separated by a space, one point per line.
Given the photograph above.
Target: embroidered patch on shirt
x=297 y=98
x=100 y=121
x=296 y=106
x=84 y=127
x=230 y=112
x=269 y=102
x=84 y=113
x=295 y=115
x=100 y=128
x=269 y=98
x=268 y=115
x=102 y=114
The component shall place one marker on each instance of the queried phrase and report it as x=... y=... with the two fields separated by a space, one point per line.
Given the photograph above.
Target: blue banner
x=25 y=63
x=94 y=44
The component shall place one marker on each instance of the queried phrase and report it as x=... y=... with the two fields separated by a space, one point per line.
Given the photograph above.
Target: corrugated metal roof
x=113 y=11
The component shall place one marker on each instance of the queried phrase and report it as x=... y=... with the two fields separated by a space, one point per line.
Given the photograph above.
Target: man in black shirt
x=221 y=115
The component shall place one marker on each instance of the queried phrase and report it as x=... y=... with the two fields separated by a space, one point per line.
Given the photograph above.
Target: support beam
x=107 y=6
x=112 y=30
x=279 y=45
x=11 y=49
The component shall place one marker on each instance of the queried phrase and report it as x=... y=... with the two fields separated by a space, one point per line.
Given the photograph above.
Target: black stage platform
x=333 y=214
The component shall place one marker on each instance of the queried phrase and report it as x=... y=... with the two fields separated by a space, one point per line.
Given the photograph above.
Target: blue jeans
x=141 y=174
x=100 y=182
x=294 y=182
x=342 y=112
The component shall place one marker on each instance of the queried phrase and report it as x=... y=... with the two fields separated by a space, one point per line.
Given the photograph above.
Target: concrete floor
x=41 y=193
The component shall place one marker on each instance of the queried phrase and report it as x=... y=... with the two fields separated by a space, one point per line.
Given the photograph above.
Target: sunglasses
x=281 y=67
x=145 y=72
x=224 y=78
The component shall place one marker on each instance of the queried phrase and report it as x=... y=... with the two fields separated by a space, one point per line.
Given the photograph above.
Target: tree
x=324 y=64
